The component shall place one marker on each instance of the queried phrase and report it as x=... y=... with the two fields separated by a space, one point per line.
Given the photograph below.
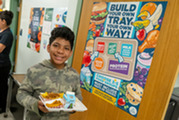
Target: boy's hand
x=42 y=107
x=72 y=112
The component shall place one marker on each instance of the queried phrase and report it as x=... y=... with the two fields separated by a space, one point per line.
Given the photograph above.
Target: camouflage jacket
x=43 y=77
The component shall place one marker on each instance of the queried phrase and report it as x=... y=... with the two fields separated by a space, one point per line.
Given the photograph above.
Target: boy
x=6 y=40
x=50 y=76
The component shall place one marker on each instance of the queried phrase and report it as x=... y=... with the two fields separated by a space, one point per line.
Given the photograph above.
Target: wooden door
x=160 y=81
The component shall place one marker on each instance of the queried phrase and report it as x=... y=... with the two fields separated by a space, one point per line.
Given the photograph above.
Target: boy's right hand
x=42 y=107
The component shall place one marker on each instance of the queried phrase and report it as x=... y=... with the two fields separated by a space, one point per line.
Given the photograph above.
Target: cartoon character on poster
x=121 y=40
x=35 y=28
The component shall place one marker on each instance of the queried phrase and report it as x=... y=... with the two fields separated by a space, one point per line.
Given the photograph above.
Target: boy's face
x=60 y=51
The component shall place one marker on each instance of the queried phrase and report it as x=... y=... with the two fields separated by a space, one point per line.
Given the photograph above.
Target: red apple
x=121 y=102
x=140 y=34
x=86 y=58
x=98 y=32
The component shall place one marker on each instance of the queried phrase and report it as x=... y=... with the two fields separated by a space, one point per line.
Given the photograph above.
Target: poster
x=35 y=28
x=119 y=49
x=54 y=17
x=47 y=25
x=59 y=17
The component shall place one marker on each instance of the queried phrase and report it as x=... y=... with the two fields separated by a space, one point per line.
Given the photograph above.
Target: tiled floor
x=18 y=112
x=16 y=109
x=9 y=117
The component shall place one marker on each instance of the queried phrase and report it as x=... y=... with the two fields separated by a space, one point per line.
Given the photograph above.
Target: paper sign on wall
x=121 y=40
x=35 y=28
x=59 y=17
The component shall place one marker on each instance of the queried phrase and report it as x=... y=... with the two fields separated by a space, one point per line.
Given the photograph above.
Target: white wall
x=177 y=82
x=25 y=56
x=5 y=5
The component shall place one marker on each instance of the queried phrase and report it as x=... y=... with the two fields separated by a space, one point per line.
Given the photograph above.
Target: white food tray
x=78 y=106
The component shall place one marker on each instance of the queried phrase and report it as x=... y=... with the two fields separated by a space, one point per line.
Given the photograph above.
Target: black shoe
x=5 y=115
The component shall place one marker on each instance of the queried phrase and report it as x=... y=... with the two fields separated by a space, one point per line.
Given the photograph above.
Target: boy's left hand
x=72 y=112
x=42 y=107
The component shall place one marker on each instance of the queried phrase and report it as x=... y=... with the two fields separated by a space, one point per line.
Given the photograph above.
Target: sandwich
x=99 y=13
x=90 y=45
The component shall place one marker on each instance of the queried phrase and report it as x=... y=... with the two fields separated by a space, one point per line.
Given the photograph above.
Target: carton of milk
x=70 y=99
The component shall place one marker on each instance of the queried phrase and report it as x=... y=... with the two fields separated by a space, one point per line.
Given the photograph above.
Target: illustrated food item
x=99 y=13
x=92 y=27
x=160 y=21
x=143 y=23
x=140 y=34
x=148 y=7
x=156 y=15
x=37 y=47
x=99 y=63
x=121 y=102
x=90 y=45
x=86 y=58
x=153 y=14
x=55 y=104
x=146 y=24
x=52 y=95
x=97 y=33
x=134 y=93
x=39 y=35
x=150 y=14
x=144 y=60
x=150 y=41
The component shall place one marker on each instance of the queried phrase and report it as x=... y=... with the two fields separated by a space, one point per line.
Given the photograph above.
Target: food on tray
x=52 y=95
x=55 y=104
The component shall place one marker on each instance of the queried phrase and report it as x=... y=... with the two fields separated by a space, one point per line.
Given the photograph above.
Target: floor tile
x=9 y=117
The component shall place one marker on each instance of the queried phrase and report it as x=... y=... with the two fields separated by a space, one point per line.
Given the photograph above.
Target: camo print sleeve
x=43 y=77
x=78 y=89
x=24 y=95
x=71 y=82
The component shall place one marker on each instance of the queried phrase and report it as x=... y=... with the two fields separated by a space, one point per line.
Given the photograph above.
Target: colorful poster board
x=47 y=25
x=119 y=49
x=59 y=17
x=35 y=28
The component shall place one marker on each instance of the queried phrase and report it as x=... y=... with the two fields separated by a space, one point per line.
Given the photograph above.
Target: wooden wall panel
x=162 y=75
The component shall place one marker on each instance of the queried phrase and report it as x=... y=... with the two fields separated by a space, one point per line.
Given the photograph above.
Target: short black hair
x=7 y=16
x=62 y=32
